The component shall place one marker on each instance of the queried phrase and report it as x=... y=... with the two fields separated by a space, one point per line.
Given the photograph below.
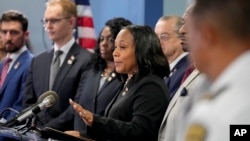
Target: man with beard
x=15 y=66
x=2 y=50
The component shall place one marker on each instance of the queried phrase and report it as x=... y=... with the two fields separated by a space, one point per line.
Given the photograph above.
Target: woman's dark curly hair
x=115 y=26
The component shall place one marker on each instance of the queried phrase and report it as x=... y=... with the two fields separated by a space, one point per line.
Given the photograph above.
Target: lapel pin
x=69 y=62
x=16 y=65
x=72 y=58
x=113 y=74
x=110 y=78
x=125 y=91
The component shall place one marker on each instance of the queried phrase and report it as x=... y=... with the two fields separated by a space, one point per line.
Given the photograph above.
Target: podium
x=44 y=134
x=48 y=132
x=13 y=134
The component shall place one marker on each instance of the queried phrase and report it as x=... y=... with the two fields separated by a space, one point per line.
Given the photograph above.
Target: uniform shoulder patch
x=196 y=132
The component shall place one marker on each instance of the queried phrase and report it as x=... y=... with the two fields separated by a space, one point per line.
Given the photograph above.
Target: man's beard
x=11 y=49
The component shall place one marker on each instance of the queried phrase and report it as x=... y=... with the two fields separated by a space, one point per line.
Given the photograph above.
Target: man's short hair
x=14 y=15
x=68 y=6
x=228 y=16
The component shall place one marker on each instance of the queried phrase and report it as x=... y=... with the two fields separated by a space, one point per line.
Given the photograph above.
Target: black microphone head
x=41 y=97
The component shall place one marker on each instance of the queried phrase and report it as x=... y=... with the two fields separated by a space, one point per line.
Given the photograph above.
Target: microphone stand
x=30 y=125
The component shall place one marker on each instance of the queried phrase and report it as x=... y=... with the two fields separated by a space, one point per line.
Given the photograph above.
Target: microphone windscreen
x=48 y=93
x=49 y=101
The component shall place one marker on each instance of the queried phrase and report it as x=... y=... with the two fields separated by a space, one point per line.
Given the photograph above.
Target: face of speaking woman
x=124 y=53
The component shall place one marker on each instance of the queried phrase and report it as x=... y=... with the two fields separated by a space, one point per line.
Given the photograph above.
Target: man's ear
x=72 y=21
x=26 y=35
x=210 y=35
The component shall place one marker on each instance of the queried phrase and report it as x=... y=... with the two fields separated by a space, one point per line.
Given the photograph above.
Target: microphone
x=45 y=100
x=44 y=95
x=40 y=99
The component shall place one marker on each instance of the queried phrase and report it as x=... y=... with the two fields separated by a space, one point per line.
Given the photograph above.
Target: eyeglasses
x=165 y=36
x=52 y=21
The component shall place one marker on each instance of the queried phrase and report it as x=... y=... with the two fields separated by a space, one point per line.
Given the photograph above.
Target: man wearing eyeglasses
x=60 y=68
x=167 y=29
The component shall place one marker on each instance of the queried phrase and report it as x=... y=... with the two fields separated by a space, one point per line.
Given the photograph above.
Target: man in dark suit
x=15 y=66
x=167 y=29
x=59 y=22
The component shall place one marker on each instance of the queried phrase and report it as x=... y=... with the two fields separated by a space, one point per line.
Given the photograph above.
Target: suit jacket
x=135 y=113
x=173 y=82
x=90 y=98
x=168 y=126
x=11 y=93
x=66 y=82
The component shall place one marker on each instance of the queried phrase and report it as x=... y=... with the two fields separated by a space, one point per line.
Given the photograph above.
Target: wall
x=33 y=9
x=138 y=11
x=176 y=7
x=107 y=9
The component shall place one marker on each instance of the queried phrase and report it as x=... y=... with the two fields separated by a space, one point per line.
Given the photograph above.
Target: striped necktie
x=4 y=71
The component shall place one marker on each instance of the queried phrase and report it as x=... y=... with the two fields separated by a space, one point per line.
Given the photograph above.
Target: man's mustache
x=8 y=42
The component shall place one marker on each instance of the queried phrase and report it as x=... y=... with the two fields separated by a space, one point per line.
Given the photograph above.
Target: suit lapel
x=15 y=67
x=175 y=71
x=180 y=64
x=96 y=79
x=109 y=106
x=69 y=61
x=173 y=101
x=112 y=76
x=47 y=61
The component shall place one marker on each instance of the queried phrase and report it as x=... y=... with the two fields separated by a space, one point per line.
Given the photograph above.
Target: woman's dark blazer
x=96 y=101
x=90 y=98
x=137 y=115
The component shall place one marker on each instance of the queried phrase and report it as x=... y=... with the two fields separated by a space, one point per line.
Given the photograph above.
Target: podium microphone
x=47 y=100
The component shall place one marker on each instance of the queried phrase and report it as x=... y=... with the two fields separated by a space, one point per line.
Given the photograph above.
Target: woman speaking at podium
x=136 y=112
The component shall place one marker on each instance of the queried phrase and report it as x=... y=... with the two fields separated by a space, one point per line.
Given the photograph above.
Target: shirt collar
x=65 y=48
x=172 y=65
x=16 y=54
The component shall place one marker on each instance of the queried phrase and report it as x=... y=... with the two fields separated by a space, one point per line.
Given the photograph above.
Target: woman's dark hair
x=115 y=26
x=149 y=55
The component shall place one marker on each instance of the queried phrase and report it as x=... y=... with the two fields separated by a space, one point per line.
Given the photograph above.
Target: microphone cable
x=8 y=109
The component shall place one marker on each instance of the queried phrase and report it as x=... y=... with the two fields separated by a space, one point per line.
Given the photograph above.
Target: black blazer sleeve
x=135 y=116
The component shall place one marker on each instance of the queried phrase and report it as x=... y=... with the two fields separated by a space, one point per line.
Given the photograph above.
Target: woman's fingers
x=86 y=116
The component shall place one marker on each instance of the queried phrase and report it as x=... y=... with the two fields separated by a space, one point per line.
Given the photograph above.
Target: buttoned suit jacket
x=173 y=82
x=11 y=93
x=65 y=85
x=168 y=126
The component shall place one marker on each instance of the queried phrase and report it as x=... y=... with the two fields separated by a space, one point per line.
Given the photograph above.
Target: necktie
x=188 y=72
x=4 y=70
x=55 y=65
